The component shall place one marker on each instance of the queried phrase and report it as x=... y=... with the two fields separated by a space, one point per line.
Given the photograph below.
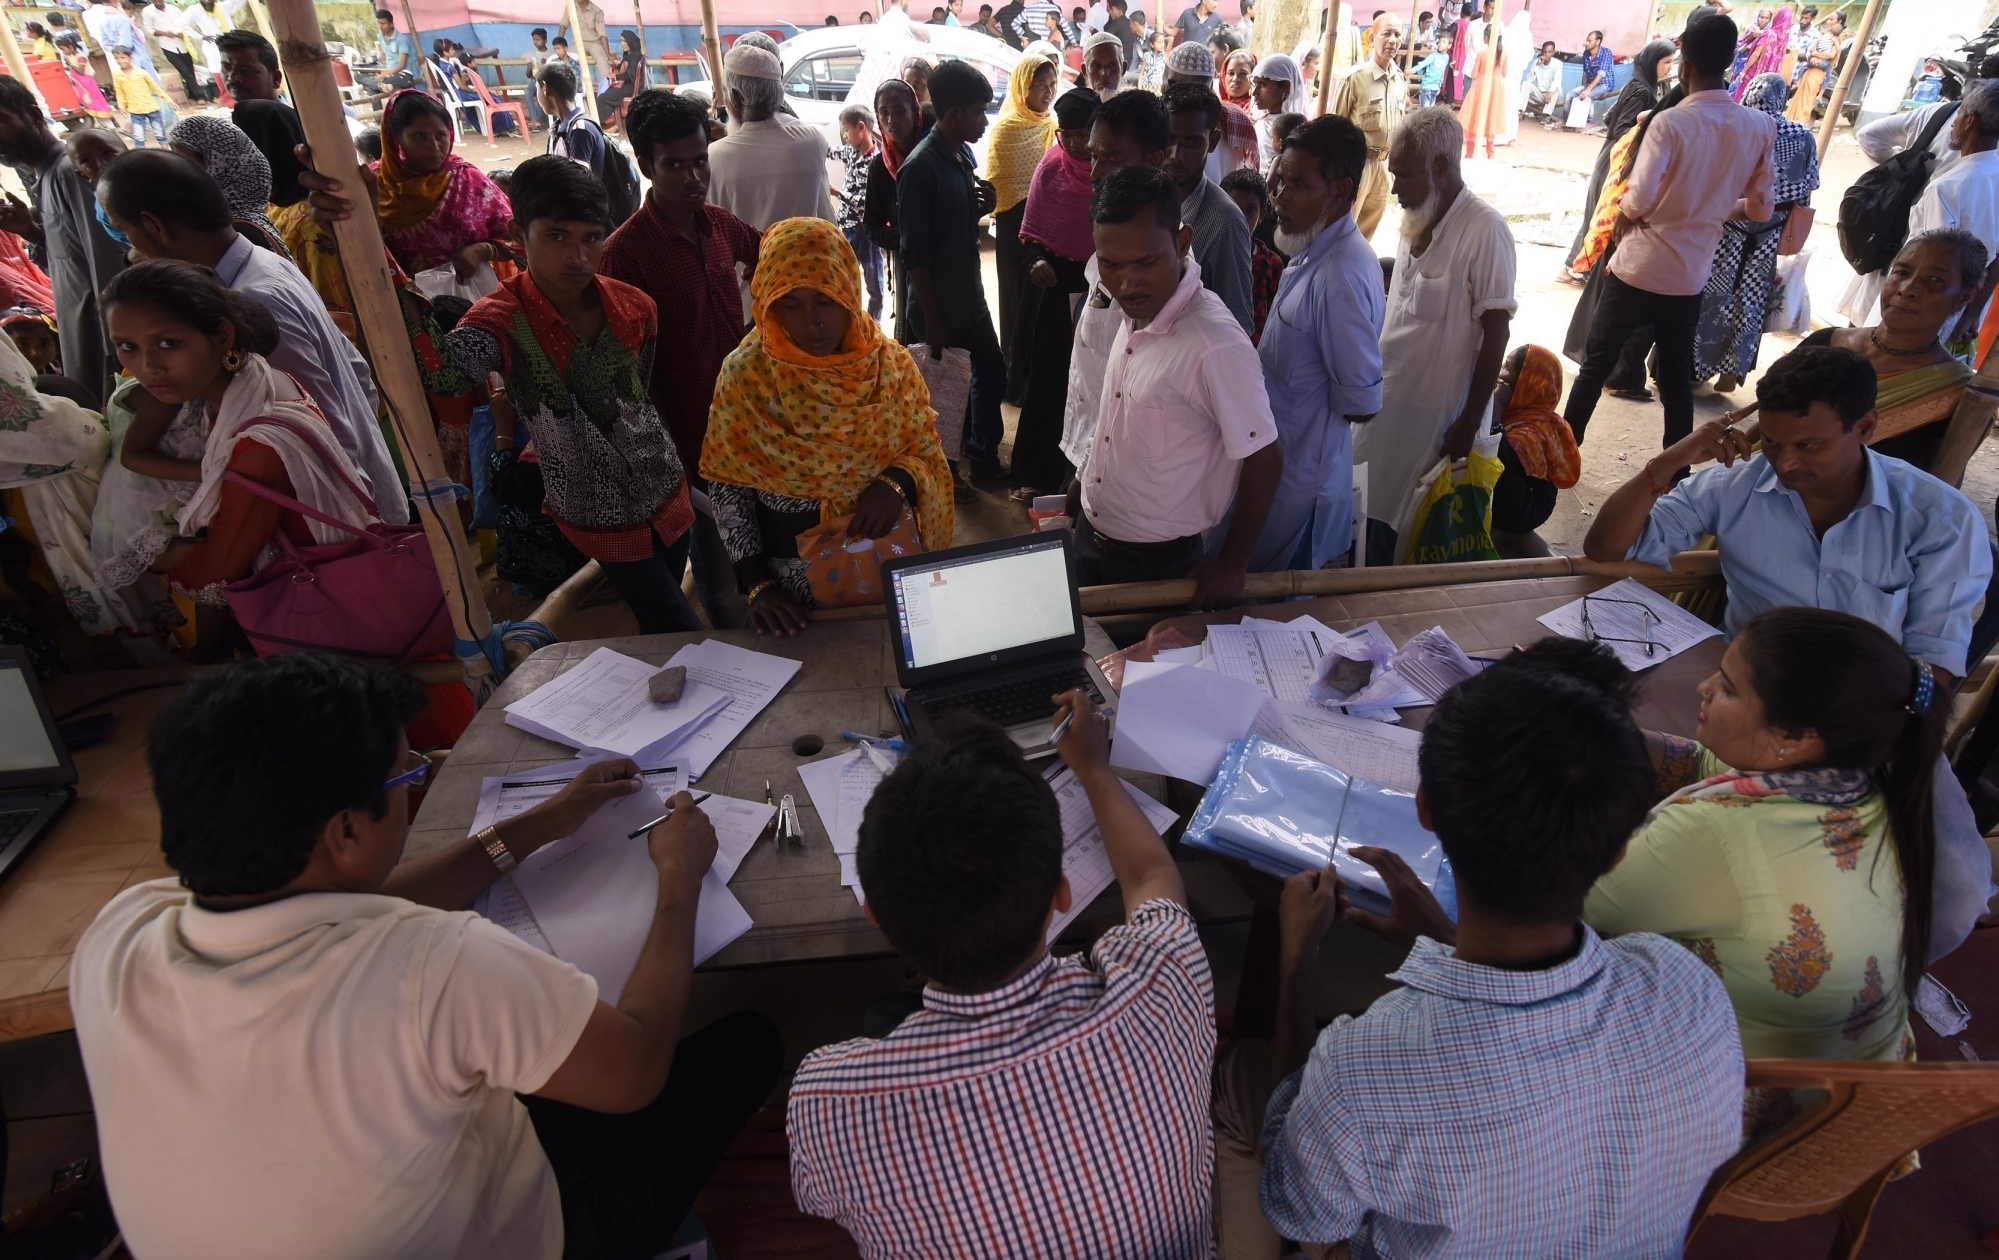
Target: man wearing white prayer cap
x=1195 y=63
x=1103 y=64
x=768 y=167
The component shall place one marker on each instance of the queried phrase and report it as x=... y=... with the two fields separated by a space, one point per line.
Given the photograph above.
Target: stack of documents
x=1283 y=813
x=840 y=788
x=1433 y=663
x=589 y=897
x=602 y=705
x=1642 y=626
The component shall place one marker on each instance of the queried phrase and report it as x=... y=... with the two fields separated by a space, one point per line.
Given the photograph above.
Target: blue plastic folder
x=1283 y=813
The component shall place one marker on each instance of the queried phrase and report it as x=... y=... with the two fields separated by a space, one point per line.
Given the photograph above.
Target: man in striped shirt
x=1533 y=1089
x=1034 y=1106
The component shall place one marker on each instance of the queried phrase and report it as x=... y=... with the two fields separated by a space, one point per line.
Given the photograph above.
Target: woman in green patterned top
x=1795 y=851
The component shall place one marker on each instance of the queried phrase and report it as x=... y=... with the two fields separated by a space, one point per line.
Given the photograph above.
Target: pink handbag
x=376 y=598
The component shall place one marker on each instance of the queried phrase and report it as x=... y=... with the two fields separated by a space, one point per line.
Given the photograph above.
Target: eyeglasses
x=417 y=773
x=1620 y=614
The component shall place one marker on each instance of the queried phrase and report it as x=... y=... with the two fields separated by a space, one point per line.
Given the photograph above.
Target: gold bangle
x=891 y=485
x=496 y=849
x=759 y=589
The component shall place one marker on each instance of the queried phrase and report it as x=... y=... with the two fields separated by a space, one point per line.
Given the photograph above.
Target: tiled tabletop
x=793 y=893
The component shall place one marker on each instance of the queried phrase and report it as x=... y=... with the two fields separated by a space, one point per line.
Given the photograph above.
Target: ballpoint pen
x=893 y=745
x=663 y=817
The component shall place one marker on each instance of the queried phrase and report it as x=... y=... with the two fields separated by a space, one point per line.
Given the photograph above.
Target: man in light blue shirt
x=1816 y=519
x=1531 y=1089
x=1321 y=346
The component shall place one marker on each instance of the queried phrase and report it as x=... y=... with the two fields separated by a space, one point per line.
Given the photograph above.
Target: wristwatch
x=496 y=849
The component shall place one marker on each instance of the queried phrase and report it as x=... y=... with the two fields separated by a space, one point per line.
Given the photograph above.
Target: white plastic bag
x=443 y=282
x=1790 y=309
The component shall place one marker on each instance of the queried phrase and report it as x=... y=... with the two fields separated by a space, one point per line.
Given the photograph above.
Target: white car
x=830 y=67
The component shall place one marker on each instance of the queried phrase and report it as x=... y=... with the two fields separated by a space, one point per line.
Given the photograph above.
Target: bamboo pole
x=1855 y=52
x=1692 y=570
x=262 y=13
x=711 y=44
x=576 y=46
x=1326 y=59
x=308 y=68
x=17 y=65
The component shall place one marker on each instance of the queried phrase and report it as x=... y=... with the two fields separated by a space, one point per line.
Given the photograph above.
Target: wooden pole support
x=711 y=44
x=582 y=55
x=1326 y=61
x=17 y=65
x=1855 y=52
x=308 y=68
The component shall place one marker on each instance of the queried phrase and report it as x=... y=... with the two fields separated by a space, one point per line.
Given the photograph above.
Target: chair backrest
x=1875 y=1114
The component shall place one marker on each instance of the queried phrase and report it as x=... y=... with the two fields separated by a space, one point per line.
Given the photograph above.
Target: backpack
x=1874 y=214
x=621 y=183
x=621 y=179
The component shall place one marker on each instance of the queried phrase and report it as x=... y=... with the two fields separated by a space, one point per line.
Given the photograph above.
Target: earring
x=233 y=361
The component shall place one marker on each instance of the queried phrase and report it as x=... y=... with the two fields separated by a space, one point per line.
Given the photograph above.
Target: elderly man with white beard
x=1450 y=308
x=1321 y=346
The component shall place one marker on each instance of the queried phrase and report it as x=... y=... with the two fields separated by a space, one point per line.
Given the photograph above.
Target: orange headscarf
x=1542 y=440
x=407 y=199
x=818 y=428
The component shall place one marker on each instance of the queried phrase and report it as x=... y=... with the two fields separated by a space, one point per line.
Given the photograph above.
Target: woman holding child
x=193 y=344
x=817 y=416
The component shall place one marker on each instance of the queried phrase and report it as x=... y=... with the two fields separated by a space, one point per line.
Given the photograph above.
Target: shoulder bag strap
x=332 y=465
x=263 y=491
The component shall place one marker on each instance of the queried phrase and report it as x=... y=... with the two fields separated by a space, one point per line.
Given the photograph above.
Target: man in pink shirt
x=1702 y=161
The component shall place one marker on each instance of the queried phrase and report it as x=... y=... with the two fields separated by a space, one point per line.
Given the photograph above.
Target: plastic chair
x=1838 y=1157
x=488 y=107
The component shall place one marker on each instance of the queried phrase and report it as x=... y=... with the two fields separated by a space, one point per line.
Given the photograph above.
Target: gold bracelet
x=891 y=485
x=759 y=589
x=496 y=849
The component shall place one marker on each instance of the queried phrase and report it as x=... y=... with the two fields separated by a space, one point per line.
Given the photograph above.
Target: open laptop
x=37 y=778
x=994 y=628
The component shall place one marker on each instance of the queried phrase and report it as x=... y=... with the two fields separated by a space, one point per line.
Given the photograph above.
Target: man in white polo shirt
x=300 y=1046
x=1183 y=424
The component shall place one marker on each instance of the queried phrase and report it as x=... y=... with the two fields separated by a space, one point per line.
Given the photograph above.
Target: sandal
x=1023 y=494
x=1633 y=395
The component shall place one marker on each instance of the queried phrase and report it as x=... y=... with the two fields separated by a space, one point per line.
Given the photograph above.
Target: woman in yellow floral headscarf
x=1021 y=134
x=816 y=416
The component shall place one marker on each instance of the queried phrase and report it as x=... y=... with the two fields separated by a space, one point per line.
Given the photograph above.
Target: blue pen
x=893 y=745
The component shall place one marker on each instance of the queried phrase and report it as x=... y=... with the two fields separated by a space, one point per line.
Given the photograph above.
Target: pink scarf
x=1058 y=206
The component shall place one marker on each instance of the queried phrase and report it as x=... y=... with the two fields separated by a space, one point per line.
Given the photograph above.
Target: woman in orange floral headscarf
x=1537 y=447
x=816 y=416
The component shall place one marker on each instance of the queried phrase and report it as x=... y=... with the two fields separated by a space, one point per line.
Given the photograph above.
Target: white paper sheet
x=505 y=796
x=751 y=680
x=737 y=825
x=589 y=898
x=1433 y=663
x=850 y=877
x=601 y=704
x=1084 y=860
x=1178 y=720
x=822 y=784
x=1281 y=660
x=1670 y=629
x=1364 y=749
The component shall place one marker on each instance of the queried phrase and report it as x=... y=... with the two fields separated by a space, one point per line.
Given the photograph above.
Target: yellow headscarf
x=1020 y=136
x=818 y=428
x=406 y=198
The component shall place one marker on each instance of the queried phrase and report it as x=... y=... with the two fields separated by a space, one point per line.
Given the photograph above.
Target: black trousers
x=1622 y=310
x=651 y=587
x=628 y=1181
x=183 y=65
x=1520 y=503
x=1009 y=266
x=1102 y=561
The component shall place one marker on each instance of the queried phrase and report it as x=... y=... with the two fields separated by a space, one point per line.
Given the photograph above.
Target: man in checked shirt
x=1035 y=1106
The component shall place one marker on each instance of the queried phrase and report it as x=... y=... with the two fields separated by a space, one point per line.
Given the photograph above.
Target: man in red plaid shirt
x=1034 y=1106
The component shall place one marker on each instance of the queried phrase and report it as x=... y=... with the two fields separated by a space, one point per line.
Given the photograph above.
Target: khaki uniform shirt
x=1373 y=99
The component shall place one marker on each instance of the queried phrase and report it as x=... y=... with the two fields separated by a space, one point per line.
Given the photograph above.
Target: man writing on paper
x=979 y=1125
x=302 y=1039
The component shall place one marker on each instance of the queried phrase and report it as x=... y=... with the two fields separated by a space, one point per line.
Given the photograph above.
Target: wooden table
x=1488 y=617
x=104 y=843
x=793 y=893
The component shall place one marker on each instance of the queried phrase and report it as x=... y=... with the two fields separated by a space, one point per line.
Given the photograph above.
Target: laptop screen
x=974 y=606
x=24 y=739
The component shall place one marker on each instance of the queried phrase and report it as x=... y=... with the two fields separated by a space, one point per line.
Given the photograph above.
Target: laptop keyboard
x=1018 y=701
x=14 y=822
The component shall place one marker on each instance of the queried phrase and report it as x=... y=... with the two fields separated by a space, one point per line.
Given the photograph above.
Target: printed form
x=1083 y=858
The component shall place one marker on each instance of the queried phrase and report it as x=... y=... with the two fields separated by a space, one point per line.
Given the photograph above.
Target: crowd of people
x=1203 y=345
